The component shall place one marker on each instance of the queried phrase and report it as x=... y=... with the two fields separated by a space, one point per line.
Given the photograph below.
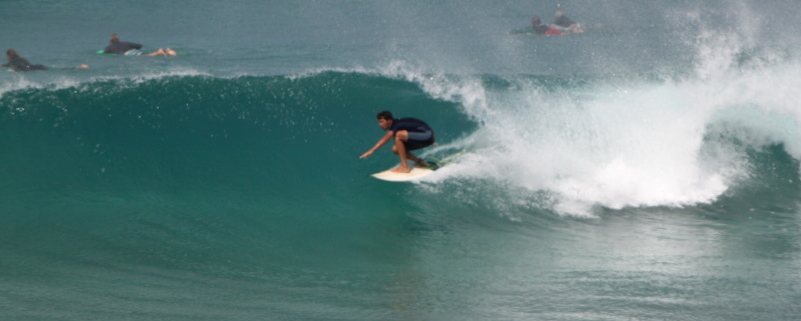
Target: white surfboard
x=418 y=172
x=415 y=174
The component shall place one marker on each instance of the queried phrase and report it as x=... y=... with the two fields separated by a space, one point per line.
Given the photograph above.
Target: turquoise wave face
x=198 y=168
x=179 y=133
x=199 y=171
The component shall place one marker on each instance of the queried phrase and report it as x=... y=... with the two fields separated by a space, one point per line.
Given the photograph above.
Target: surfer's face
x=385 y=124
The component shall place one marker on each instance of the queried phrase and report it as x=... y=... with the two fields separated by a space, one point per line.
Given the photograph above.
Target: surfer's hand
x=367 y=154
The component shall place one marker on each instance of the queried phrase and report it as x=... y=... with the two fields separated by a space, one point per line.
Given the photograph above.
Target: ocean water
x=647 y=169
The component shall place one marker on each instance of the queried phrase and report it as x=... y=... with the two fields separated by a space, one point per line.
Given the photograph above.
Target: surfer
x=408 y=133
x=537 y=25
x=562 y=22
x=537 y=28
x=17 y=63
x=133 y=49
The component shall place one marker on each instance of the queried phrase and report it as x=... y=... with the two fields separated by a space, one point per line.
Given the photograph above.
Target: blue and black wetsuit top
x=563 y=21
x=121 y=47
x=420 y=134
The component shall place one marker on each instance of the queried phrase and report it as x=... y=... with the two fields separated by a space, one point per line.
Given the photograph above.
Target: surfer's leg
x=420 y=162
x=162 y=52
x=400 y=149
x=417 y=140
x=159 y=52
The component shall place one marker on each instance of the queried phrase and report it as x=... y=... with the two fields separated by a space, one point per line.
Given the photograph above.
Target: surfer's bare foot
x=401 y=169
x=422 y=163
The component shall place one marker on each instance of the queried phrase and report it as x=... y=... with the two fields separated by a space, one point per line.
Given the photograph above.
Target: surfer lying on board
x=538 y=27
x=409 y=134
x=132 y=49
x=17 y=63
x=563 y=23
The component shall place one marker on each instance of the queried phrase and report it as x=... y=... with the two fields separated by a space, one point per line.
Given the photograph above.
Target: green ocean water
x=647 y=169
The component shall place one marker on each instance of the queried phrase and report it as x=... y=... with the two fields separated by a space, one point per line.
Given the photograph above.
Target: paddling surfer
x=132 y=49
x=408 y=133
x=18 y=63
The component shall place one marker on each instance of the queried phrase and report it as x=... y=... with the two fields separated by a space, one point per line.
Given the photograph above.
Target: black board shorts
x=419 y=140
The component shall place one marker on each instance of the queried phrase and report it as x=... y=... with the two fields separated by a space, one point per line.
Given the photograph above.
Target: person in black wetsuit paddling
x=408 y=133
x=562 y=22
x=132 y=49
x=537 y=26
x=17 y=63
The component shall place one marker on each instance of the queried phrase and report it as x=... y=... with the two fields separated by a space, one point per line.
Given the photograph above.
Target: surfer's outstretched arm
x=381 y=142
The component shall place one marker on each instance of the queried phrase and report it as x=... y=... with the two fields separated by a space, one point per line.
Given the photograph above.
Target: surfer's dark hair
x=115 y=38
x=384 y=115
x=12 y=54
